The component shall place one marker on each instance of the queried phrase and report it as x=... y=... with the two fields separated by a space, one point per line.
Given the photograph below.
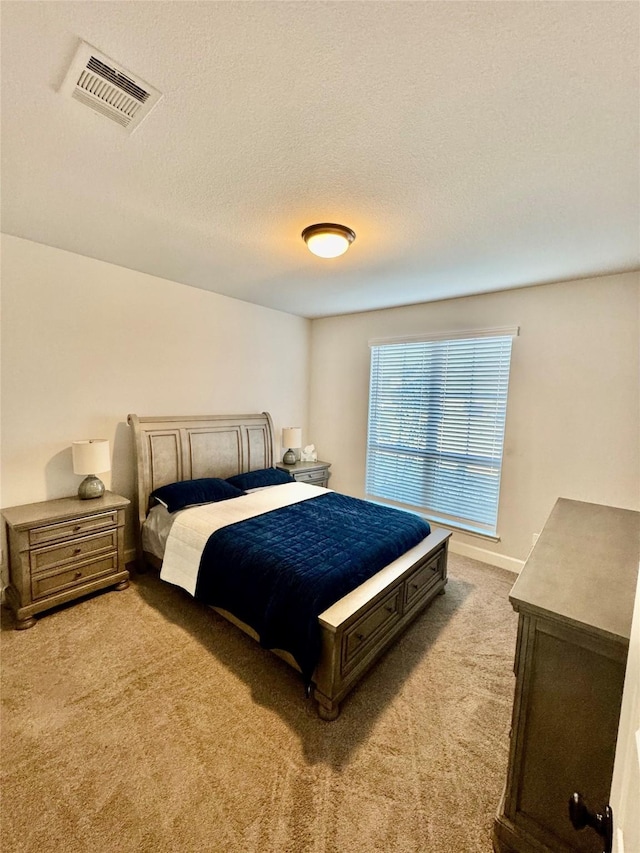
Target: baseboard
x=481 y=554
x=486 y=556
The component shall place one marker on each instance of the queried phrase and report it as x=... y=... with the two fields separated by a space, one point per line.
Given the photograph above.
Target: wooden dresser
x=575 y=602
x=316 y=473
x=62 y=549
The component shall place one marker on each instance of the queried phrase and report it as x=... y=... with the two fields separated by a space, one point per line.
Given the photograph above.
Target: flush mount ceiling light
x=327 y=240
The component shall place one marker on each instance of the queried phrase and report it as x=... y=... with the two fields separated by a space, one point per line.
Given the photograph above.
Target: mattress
x=278 y=558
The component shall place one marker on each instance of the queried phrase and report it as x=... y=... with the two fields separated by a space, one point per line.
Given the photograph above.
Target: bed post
x=134 y=422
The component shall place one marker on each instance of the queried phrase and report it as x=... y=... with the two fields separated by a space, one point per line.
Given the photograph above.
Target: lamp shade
x=91 y=456
x=291 y=437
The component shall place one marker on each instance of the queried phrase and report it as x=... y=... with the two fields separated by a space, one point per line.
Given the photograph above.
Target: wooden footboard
x=358 y=629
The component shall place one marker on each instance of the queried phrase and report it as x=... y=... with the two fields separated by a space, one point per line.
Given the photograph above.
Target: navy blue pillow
x=207 y=490
x=259 y=479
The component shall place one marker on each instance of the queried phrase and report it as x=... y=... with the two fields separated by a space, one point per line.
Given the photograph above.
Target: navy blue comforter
x=278 y=571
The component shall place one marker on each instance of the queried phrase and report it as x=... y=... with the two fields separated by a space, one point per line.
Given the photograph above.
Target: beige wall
x=573 y=422
x=85 y=342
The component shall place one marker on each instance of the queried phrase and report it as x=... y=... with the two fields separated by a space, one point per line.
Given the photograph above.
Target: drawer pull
x=389 y=608
x=77 y=527
x=415 y=586
x=77 y=550
x=78 y=574
x=360 y=637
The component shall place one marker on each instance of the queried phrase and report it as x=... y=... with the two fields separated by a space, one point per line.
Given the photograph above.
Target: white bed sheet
x=155 y=529
x=179 y=538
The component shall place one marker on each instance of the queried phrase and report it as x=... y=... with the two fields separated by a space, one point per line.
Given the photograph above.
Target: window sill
x=439 y=522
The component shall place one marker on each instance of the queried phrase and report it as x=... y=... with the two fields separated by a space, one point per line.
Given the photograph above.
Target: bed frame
x=358 y=628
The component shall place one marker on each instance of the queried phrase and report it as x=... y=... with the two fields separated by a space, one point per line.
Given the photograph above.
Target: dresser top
x=28 y=515
x=583 y=569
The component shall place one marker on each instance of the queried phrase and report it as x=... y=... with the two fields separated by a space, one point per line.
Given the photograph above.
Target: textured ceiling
x=471 y=146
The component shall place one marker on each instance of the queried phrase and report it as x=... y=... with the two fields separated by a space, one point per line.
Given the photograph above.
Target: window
x=437 y=410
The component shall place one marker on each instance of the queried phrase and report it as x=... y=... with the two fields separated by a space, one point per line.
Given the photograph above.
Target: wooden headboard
x=169 y=449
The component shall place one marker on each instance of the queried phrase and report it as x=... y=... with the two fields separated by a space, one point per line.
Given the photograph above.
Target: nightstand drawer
x=313 y=477
x=47 y=583
x=420 y=582
x=313 y=473
x=72 y=528
x=78 y=549
x=360 y=637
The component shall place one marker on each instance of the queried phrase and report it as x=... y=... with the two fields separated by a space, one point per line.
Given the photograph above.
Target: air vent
x=99 y=83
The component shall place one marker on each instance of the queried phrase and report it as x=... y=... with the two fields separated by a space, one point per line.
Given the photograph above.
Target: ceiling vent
x=102 y=85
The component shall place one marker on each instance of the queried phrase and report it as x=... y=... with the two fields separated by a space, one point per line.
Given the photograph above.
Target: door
x=625 y=786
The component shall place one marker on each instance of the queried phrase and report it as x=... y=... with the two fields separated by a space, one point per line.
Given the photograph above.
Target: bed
x=352 y=631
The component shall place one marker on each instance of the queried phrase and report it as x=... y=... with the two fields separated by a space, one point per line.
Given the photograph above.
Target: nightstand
x=316 y=473
x=61 y=550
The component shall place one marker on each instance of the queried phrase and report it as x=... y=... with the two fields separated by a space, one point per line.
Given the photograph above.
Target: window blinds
x=437 y=412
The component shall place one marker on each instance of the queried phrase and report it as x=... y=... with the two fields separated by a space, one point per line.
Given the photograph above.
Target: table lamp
x=89 y=456
x=291 y=438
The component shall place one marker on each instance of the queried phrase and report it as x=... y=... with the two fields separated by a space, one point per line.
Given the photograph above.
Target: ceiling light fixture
x=327 y=240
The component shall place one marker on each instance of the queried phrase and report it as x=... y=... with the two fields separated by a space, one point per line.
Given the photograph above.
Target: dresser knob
x=77 y=527
x=77 y=550
x=360 y=637
x=389 y=608
x=78 y=574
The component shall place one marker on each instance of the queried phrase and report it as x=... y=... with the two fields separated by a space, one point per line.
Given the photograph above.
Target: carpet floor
x=142 y=721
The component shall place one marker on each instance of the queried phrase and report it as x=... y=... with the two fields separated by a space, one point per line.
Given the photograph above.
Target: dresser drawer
x=418 y=584
x=77 y=549
x=48 y=583
x=72 y=528
x=362 y=636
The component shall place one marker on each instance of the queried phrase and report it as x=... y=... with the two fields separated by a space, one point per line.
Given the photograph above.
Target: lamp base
x=289 y=458
x=91 y=487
